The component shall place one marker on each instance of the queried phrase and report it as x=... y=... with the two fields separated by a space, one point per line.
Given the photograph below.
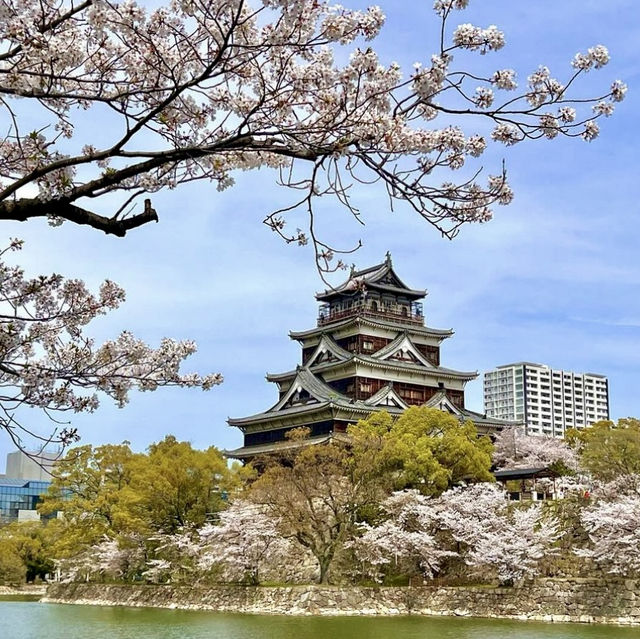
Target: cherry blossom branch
x=46 y=361
x=200 y=90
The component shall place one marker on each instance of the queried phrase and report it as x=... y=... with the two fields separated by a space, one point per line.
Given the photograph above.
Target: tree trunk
x=324 y=563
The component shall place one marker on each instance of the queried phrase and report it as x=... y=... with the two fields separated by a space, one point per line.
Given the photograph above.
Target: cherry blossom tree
x=614 y=534
x=246 y=542
x=173 y=556
x=47 y=362
x=405 y=539
x=509 y=541
x=515 y=543
x=466 y=511
x=624 y=484
x=513 y=448
x=118 y=557
x=483 y=528
x=198 y=90
x=157 y=570
x=115 y=558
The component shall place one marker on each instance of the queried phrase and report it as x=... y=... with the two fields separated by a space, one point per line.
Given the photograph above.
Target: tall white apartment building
x=549 y=401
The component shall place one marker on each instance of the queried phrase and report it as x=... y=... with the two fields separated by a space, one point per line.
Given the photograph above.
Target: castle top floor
x=376 y=292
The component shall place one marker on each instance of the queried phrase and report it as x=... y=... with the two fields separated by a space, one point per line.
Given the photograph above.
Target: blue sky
x=554 y=278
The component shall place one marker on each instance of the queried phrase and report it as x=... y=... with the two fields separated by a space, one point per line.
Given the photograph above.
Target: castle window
x=301 y=397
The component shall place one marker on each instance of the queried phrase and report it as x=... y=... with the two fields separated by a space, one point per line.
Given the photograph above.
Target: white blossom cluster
x=613 y=526
x=468 y=36
x=475 y=523
x=595 y=58
x=442 y=7
x=505 y=79
x=513 y=448
x=483 y=97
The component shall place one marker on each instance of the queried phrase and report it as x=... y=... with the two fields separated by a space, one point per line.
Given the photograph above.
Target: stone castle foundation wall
x=557 y=600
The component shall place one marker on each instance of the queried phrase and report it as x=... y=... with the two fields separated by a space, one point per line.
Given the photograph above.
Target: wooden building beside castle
x=370 y=350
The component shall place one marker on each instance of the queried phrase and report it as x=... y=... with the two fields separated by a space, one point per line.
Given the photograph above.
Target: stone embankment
x=30 y=590
x=556 y=600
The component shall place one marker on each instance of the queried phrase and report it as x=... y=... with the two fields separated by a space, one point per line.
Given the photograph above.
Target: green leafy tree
x=12 y=569
x=175 y=485
x=609 y=450
x=91 y=488
x=33 y=543
x=109 y=492
x=424 y=448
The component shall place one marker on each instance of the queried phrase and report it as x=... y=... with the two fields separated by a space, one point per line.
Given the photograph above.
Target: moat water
x=33 y=620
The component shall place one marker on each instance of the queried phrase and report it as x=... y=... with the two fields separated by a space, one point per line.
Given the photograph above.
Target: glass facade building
x=20 y=494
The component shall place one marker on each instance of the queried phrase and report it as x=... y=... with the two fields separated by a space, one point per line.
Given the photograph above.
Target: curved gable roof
x=379 y=277
x=402 y=343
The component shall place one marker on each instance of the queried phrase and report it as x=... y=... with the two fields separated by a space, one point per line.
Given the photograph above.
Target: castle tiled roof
x=322 y=397
x=377 y=322
x=339 y=402
x=248 y=452
x=482 y=422
x=380 y=277
x=381 y=360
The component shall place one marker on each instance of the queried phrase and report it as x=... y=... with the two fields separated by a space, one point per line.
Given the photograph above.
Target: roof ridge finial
x=353 y=270
x=388 y=258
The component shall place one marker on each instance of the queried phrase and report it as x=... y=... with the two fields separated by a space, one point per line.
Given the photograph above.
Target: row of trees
x=110 y=489
x=411 y=498
x=111 y=494
x=315 y=497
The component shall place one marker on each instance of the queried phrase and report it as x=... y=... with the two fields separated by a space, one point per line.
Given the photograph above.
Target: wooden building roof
x=381 y=278
x=382 y=359
x=343 y=408
x=358 y=321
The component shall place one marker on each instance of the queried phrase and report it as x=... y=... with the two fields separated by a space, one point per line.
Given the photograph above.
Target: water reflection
x=29 y=620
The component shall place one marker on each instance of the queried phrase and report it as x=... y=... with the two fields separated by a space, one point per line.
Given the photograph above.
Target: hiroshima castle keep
x=370 y=351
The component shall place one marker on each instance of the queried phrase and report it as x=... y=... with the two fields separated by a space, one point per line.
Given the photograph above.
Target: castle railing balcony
x=398 y=314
